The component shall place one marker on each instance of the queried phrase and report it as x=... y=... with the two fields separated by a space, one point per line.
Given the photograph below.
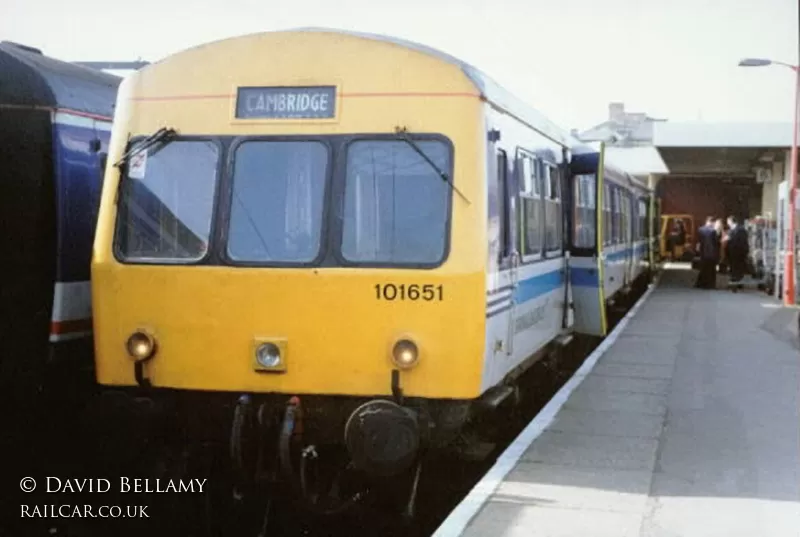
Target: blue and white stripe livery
x=526 y=275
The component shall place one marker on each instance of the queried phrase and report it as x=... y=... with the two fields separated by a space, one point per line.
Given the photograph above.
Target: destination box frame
x=332 y=89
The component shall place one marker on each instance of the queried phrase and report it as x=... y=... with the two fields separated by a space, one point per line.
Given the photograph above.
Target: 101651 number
x=390 y=291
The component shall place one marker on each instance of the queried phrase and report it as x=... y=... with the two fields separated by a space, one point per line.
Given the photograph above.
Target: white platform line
x=460 y=517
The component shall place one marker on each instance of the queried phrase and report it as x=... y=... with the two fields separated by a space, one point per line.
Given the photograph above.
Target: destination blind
x=286 y=102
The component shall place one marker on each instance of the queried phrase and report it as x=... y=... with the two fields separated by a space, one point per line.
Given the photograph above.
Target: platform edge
x=460 y=517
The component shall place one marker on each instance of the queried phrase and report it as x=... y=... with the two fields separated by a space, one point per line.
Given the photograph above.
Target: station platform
x=684 y=422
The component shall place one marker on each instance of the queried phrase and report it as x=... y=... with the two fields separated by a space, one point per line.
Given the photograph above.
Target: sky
x=672 y=59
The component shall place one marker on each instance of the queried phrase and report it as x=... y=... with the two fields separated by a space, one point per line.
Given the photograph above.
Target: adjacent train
x=55 y=125
x=316 y=238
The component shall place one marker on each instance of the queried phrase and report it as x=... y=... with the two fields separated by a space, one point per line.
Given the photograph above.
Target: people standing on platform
x=709 y=255
x=719 y=226
x=738 y=249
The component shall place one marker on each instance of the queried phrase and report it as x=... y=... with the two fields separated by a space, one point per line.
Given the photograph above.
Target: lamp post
x=788 y=272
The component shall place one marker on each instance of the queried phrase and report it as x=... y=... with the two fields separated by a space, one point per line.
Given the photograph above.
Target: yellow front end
x=334 y=323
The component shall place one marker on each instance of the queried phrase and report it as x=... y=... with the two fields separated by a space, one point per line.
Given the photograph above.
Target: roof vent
x=26 y=48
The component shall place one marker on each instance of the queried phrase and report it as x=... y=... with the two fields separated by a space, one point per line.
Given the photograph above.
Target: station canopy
x=724 y=150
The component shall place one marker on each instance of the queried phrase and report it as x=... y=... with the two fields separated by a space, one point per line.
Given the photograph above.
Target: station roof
x=643 y=160
x=719 y=149
x=29 y=78
x=730 y=135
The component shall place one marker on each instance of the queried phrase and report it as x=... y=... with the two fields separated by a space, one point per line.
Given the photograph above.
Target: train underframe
x=312 y=444
x=619 y=304
x=331 y=452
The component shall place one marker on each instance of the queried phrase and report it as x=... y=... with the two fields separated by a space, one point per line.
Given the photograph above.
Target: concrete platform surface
x=688 y=425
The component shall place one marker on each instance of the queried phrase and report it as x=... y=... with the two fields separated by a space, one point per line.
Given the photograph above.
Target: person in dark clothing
x=709 y=255
x=738 y=249
x=677 y=237
x=702 y=231
x=719 y=225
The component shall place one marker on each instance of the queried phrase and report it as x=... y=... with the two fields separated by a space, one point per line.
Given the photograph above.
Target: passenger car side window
x=531 y=206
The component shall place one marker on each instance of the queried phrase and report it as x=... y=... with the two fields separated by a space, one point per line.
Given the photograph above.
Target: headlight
x=405 y=354
x=140 y=346
x=269 y=355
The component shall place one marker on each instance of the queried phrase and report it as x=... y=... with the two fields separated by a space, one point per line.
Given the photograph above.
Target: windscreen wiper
x=403 y=134
x=161 y=136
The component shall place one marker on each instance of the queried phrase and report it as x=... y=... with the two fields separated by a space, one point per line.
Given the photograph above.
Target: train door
x=655 y=235
x=614 y=263
x=630 y=236
x=642 y=235
x=603 y=212
x=568 y=317
x=509 y=250
x=650 y=231
x=587 y=258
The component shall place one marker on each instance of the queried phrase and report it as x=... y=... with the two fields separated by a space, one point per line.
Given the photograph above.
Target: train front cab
x=355 y=299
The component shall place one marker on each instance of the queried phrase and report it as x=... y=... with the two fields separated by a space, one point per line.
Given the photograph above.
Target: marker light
x=140 y=346
x=268 y=355
x=405 y=354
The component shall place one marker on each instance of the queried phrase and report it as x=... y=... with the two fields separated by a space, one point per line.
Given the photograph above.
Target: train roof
x=588 y=163
x=489 y=89
x=29 y=78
